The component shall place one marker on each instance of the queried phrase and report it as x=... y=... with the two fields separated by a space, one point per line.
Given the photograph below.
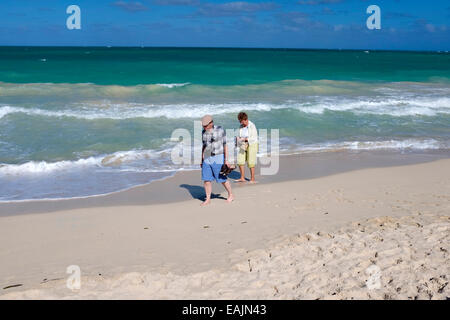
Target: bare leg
x=242 y=170
x=252 y=170
x=208 y=189
x=227 y=186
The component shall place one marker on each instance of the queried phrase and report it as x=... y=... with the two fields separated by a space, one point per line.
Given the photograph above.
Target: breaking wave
x=160 y=161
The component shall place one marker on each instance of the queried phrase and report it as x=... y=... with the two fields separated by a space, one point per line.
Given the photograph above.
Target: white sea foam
x=107 y=110
x=392 y=107
x=47 y=167
x=161 y=162
x=407 y=144
x=132 y=110
x=91 y=101
x=105 y=161
x=173 y=85
x=6 y=110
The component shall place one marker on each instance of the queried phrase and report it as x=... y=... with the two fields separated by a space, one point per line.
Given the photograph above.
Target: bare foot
x=230 y=198
x=253 y=181
x=205 y=203
x=240 y=180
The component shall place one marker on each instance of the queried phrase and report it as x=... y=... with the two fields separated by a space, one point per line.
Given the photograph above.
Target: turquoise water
x=87 y=121
x=133 y=66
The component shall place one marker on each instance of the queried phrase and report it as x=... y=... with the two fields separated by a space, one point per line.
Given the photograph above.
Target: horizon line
x=219 y=47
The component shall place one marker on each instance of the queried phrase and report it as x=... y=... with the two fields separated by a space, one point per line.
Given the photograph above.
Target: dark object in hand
x=225 y=170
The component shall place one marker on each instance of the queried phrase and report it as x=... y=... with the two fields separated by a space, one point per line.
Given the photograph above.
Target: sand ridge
x=379 y=258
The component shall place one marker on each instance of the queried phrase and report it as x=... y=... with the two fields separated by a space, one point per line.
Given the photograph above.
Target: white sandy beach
x=320 y=238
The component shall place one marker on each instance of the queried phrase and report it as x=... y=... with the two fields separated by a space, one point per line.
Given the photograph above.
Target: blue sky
x=333 y=24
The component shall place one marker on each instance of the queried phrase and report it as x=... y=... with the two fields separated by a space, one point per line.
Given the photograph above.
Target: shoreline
x=292 y=167
x=182 y=239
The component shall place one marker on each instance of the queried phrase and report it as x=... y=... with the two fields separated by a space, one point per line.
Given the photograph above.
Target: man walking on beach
x=214 y=155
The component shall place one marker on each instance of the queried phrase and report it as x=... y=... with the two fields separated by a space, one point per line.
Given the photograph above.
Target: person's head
x=207 y=122
x=243 y=118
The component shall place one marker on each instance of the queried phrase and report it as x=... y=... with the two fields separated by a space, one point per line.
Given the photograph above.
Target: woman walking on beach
x=247 y=141
x=214 y=155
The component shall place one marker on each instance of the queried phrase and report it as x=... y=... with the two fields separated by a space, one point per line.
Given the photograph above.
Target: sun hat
x=206 y=120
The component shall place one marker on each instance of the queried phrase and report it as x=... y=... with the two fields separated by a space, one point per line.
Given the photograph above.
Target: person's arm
x=252 y=134
x=225 y=152
x=203 y=155
x=203 y=150
x=225 y=147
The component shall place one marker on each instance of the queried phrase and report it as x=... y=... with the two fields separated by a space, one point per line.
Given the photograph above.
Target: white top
x=249 y=132
x=244 y=132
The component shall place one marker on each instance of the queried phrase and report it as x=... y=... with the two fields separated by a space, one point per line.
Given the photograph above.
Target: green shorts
x=248 y=156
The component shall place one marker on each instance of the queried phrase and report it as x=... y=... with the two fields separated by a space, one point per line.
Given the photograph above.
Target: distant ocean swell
x=170 y=92
x=89 y=101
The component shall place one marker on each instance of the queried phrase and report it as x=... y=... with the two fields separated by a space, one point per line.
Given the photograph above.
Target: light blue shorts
x=211 y=169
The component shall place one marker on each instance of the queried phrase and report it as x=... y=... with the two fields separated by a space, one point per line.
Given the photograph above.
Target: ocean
x=85 y=121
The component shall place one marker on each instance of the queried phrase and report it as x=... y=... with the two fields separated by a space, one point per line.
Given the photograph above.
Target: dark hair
x=242 y=116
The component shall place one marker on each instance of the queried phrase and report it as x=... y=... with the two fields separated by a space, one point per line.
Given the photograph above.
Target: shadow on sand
x=198 y=192
x=234 y=175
